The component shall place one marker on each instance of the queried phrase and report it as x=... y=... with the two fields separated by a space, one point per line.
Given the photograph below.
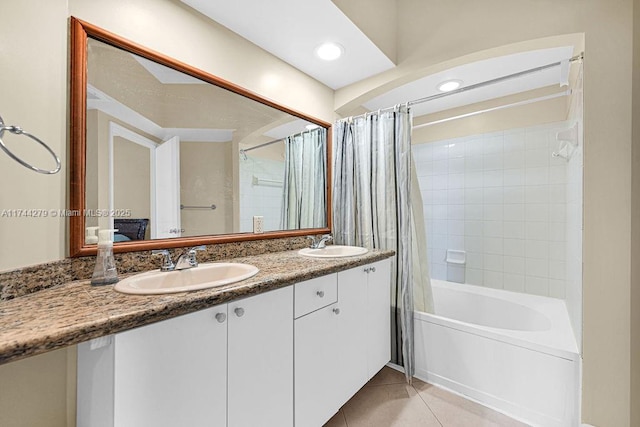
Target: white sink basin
x=201 y=277
x=333 y=251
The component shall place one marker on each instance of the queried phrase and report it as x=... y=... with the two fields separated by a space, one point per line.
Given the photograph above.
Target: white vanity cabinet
x=291 y=356
x=340 y=346
x=229 y=365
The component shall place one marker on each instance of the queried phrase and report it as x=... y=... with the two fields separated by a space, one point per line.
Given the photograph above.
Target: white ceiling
x=292 y=29
x=478 y=72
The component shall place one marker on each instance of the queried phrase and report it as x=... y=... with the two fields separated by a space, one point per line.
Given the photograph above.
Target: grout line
x=427 y=405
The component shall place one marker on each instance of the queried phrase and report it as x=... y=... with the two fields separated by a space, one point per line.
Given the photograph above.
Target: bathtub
x=512 y=352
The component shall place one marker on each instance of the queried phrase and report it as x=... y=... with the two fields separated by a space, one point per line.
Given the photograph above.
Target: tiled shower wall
x=501 y=198
x=262 y=199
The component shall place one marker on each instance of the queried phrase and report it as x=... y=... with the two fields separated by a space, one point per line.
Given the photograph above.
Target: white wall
x=501 y=197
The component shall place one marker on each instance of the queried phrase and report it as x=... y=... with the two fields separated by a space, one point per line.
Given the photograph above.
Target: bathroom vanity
x=289 y=356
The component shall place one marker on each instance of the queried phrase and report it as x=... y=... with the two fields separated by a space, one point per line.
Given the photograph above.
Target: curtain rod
x=575 y=58
x=275 y=140
x=500 y=107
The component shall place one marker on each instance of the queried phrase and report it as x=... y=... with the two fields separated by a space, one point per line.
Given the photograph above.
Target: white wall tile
x=537 y=249
x=514 y=265
x=536 y=230
x=456 y=165
x=493 y=279
x=493 y=262
x=537 y=285
x=492 y=161
x=473 y=228
x=537 y=212
x=474 y=179
x=473 y=163
x=514 y=282
x=514 y=160
x=473 y=212
x=474 y=195
x=455 y=196
x=456 y=180
x=474 y=276
x=503 y=199
x=537 y=267
x=493 y=178
x=515 y=212
x=492 y=245
x=492 y=212
x=514 y=177
x=514 y=194
x=514 y=229
x=493 y=229
x=475 y=260
x=514 y=247
x=456 y=212
x=537 y=176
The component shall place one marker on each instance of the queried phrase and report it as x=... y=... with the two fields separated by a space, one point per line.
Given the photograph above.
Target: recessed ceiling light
x=449 y=85
x=329 y=51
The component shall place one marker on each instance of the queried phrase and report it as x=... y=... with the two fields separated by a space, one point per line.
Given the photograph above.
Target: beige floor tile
x=455 y=411
x=387 y=375
x=391 y=405
x=338 y=420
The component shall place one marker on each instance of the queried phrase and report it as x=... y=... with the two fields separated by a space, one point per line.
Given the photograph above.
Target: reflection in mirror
x=169 y=155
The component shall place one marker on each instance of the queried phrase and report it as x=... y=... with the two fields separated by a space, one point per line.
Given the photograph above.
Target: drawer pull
x=221 y=317
x=336 y=310
x=239 y=311
x=320 y=294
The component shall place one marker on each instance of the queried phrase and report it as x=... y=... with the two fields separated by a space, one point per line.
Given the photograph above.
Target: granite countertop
x=76 y=311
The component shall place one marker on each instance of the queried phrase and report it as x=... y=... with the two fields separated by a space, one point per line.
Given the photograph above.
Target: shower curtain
x=304 y=193
x=372 y=207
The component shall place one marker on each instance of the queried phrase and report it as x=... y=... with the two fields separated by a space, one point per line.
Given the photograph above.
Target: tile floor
x=388 y=401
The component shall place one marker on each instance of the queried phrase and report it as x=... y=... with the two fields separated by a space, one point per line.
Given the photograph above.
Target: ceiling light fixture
x=449 y=85
x=329 y=51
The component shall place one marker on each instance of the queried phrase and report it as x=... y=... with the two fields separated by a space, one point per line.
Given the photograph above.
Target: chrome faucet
x=321 y=243
x=185 y=261
x=188 y=258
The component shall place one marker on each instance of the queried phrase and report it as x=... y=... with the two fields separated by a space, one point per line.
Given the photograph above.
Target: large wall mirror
x=173 y=156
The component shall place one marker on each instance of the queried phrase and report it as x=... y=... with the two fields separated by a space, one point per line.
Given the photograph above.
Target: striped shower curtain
x=372 y=206
x=305 y=193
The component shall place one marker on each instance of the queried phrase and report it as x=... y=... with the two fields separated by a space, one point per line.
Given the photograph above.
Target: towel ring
x=17 y=130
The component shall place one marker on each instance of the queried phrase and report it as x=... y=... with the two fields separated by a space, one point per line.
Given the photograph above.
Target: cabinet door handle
x=320 y=294
x=373 y=269
x=366 y=270
x=239 y=311
x=221 y=317
x=336 y=310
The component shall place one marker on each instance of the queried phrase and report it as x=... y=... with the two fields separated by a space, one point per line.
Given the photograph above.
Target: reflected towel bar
x=212 y=207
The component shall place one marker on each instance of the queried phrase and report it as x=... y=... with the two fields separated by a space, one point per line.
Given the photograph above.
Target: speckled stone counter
x=76 y=311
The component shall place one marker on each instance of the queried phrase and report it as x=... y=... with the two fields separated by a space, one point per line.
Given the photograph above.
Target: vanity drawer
x=314 y=294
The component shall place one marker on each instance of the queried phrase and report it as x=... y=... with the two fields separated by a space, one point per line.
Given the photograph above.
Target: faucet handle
x=167 y=262
x=314 y=242
x=191 y=253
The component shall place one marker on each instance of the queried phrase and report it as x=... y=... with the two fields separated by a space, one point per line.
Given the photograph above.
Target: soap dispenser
x=105 y=272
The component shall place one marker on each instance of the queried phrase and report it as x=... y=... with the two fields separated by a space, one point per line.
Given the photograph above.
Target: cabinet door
x=317 y=353
x=378 y=316
x=351 y=333
x=173 y=373
x=261 y=360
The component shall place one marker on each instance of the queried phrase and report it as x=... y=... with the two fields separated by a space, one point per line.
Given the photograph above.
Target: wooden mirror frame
x=80 y=32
